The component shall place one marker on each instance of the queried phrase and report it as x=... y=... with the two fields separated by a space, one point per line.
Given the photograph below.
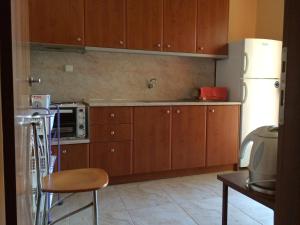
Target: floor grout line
x=123 y=202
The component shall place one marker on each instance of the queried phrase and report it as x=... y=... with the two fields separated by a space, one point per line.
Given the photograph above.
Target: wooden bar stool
x=75 y=181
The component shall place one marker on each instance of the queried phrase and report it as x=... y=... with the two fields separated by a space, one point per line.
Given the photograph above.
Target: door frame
x=288 y=156
x=288 y=180
x=7 y=103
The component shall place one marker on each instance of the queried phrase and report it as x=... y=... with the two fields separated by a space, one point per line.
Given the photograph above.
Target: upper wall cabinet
x=57 y=21
x=180 y=22
x=212 y=36
x=105 y=23
x=145 y=24
x=184 y=26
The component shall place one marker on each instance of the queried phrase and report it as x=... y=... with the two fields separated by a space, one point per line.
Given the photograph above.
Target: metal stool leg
x=95 y=208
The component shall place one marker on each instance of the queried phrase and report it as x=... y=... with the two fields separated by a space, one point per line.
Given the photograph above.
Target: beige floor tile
x=143 y=195
x=252 y=208
x=116 y=218
x=168 y=214
x=209 y=212
x=182 y=191
x=187 y=200
x=105 y=218
x=110 y=200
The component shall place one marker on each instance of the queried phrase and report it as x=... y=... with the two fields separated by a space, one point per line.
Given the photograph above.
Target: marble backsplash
x=102 y=75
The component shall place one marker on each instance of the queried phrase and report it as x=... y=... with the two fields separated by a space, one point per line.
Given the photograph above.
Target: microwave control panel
x=81 y=122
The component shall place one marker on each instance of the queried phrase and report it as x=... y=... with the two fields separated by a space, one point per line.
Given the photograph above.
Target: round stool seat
x=72 y=181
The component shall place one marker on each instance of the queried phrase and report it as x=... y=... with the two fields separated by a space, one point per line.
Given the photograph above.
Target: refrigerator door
x=230 y=71
x=260 y=107
x=262 y=58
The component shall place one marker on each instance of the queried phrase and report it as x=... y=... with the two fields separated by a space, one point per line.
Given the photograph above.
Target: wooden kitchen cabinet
x=111 y=139
x=57 y=21
x=180 y=24
x=110 y=124
x=222 y=135
x=111 y=115
x=188 y=137
x=145 y=24
x=152 y=135
x=75 y=156
x=212 y=28
x=105 y=23
x=113 y=157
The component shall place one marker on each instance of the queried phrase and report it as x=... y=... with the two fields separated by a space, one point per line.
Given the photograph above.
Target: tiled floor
x=192 y=200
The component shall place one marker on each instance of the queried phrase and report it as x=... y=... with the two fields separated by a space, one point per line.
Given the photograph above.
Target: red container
x=213 y=94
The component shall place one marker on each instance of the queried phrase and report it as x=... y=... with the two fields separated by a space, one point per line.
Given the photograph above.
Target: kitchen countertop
x=101 y=102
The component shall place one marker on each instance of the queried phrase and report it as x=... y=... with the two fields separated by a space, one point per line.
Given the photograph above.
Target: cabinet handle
x=121 y=42
x=64 y=151
x=79 y=39
x=168 y=111
x=201 y=48
x=112 y=150
x=169 y=46
x=112 y=115
x=158 y=45
x=178 y=111
x=112 y=133
x=212 y=110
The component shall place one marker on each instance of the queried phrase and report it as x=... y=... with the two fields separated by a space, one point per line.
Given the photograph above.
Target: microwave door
x=67 y=123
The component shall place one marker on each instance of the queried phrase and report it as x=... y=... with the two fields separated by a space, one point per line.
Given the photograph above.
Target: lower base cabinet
x=222 y=135
x=114 y=157
x=152 y=135
x=75 y=156
x=188 y=137
x=162 y=139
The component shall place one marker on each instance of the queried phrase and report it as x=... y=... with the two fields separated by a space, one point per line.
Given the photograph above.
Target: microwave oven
x=71 y=118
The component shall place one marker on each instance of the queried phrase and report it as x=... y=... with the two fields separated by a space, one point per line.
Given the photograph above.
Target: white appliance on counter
x=252 y=75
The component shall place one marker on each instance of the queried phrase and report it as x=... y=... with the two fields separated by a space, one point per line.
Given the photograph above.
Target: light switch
x=69 y=68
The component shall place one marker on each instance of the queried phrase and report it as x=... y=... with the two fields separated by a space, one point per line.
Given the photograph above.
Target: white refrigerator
x=252 y=75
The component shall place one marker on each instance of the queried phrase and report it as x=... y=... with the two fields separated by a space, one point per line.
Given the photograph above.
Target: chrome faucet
x=151 y=83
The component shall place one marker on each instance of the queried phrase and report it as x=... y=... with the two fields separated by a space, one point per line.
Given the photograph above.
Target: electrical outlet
x=69 y=68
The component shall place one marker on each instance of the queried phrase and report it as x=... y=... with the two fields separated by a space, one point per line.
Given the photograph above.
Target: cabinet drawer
x=111 y=132
x=110 y=115
x=113 y=157
x=72 y=156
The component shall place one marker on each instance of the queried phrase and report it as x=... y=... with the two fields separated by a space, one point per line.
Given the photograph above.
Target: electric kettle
x=263 y=158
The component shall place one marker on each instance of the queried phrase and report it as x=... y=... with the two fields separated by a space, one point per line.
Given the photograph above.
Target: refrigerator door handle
x=246 y=62
x=245 y=92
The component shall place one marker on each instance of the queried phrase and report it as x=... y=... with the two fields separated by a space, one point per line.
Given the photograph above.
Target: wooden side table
x=237 y=181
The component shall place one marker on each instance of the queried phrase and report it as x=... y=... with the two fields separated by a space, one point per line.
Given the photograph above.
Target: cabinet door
x=213 y=19
x=152 y=147
x=57 y=21
x=72 y=156
x=180 y=19
x=114 y=157
x=188 y=137
x=145 y=24
x=105 y=23
x=222 y=135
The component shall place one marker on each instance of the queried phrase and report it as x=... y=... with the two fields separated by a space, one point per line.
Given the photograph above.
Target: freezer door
x=260 y=107
x=262 y=58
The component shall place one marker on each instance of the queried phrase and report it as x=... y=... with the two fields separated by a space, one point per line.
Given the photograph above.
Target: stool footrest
x=71 y=213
